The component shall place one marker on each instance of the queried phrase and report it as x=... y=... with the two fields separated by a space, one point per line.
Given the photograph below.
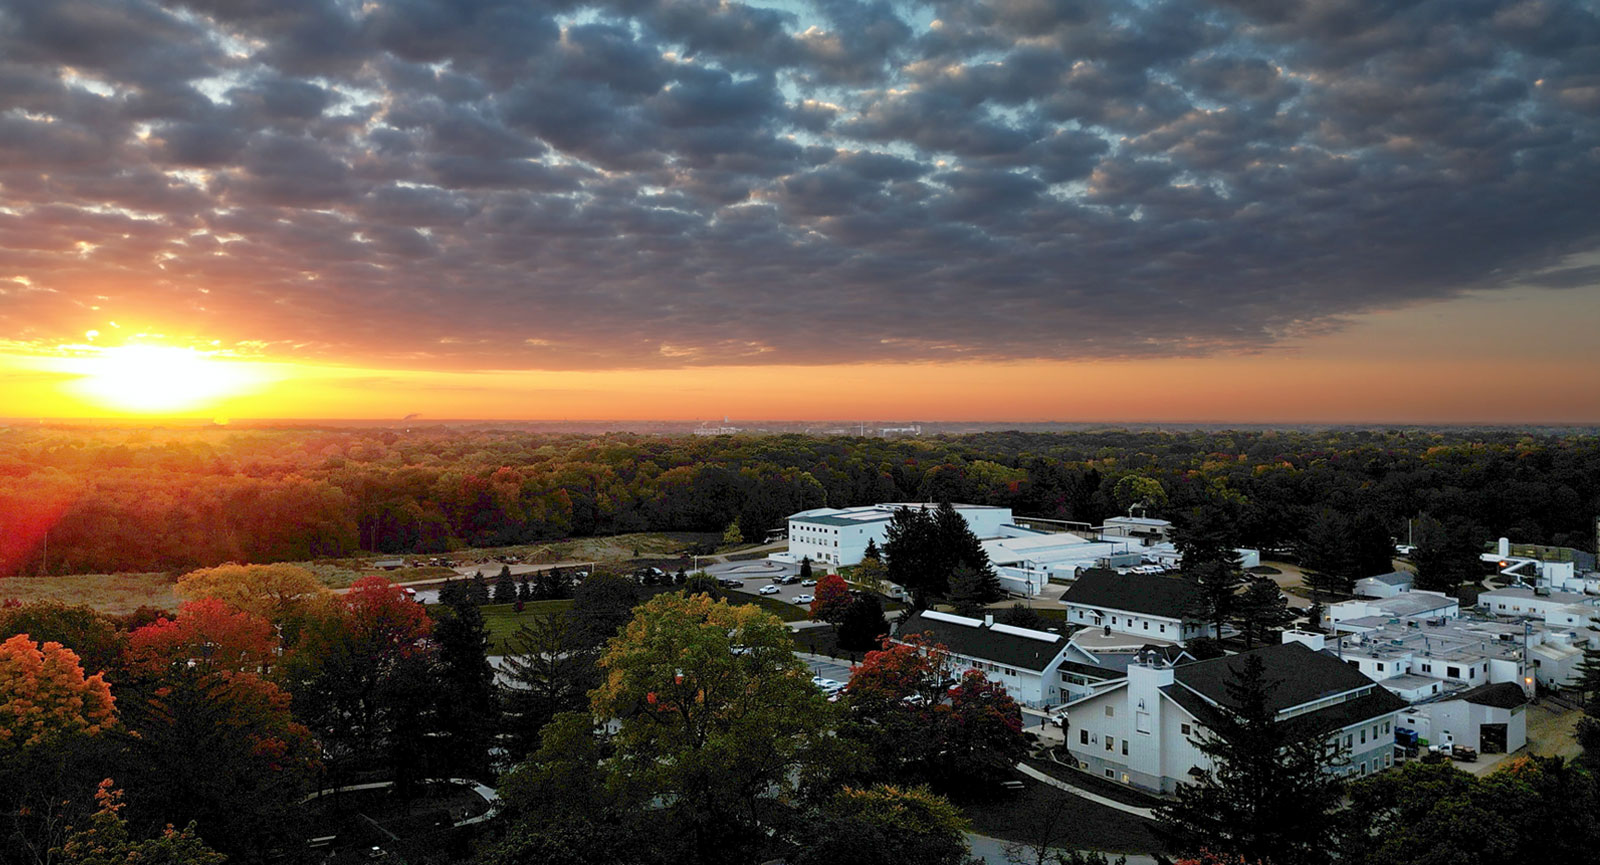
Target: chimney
x=988 y=619
x=1505 y=547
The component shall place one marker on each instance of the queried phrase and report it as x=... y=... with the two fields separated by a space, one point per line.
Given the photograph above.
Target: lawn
x=503 y=619
x=1069 y=822
x=108 y=593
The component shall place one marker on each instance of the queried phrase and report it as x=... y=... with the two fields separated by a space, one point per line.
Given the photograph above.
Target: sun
x=154 y=379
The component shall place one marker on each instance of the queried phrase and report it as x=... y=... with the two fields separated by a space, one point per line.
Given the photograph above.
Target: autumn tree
x=717 y=717
x=362 y=679
x=107 y=841
x=922 y=720
x=53 y=726
x=79 y=627
x=219 y=750
x=283 y=595
x=207 y=633
x=1139 y=491
x=832 y=598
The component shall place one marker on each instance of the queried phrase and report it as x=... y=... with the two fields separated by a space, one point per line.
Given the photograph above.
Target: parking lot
x=757 y=575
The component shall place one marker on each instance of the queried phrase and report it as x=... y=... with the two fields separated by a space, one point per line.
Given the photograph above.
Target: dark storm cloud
x=670 y=182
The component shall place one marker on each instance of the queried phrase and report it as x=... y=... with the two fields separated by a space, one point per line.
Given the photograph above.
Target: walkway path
x=993 y=852
x=1041 y=777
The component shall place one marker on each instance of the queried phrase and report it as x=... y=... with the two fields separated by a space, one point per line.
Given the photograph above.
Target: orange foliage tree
x=45 y=698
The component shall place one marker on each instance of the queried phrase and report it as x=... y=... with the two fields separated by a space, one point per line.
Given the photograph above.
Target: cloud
x=649 y=183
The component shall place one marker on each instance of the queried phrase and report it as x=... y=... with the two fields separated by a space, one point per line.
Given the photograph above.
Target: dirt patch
x=1552 y=730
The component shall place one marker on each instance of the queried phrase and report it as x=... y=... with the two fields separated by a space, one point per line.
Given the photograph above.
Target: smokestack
x=1505 y=547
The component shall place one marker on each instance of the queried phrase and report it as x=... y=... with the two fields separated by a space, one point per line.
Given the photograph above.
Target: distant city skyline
x=1279 y=213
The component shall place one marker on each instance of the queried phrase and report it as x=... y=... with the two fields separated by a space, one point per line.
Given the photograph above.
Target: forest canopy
x=114 y=500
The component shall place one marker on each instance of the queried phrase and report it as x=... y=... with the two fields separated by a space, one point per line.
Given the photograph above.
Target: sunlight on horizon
x=154 y=379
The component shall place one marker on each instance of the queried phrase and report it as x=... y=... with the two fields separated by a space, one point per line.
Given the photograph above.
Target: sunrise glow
x=156 y=379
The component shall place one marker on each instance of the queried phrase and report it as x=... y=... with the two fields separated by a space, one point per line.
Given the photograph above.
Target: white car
x=808 y=583
x=769 y=590
x=828 y=686
x=803 y=599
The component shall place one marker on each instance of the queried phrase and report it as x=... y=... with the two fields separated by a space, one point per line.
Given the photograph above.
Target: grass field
x=503 y=619
x=108 y=593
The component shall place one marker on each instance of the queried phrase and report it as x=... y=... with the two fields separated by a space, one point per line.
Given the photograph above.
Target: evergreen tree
x=1260 y=609
x=524 y=594
x=966 y=591
x=1372 y=549
x=872 y=552
x=1446 y=556
x=1326 y=554
x=479 y=593
x=1206 y=541
x=1019 y=615
x=681 y=577
x=551 y=670
x=805 y=568
x=465 y=706
x=908 y=544
x=505 y=588
x=960 y=548
x=453 y=591
x=1268 y=795
x=862 y=627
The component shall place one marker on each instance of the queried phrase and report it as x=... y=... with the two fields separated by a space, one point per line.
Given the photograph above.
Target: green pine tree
x=1268 y=795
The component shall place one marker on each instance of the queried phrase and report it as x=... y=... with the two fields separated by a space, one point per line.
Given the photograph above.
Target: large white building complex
x=1139 y=731
x=839 y=536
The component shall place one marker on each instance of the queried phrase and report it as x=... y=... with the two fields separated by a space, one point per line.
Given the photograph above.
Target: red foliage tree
x=208 y=633
x=380 y=615
x=832 y=599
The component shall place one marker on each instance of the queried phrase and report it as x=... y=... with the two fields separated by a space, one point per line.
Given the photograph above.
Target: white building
x=1364 y=615
x=1424 y=659
x=1562 y=569
x=1026 y=560
x=1024 y=661
x=1144 y=606
x=1490 y=719
x=839 y=536
x=1140 y=731
x=1144 y=531
x=1385 y=585
x=1533 y=603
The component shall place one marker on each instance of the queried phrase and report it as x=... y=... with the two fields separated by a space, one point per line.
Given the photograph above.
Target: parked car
x=828 y=686
x=786 y=581
x=803 y=599
x=769 y=590
x=808 y=583
x=730 y=583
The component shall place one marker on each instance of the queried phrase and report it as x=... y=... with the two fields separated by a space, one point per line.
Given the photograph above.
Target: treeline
x=82 y=501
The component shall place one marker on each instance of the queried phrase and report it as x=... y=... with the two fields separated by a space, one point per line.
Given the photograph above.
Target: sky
x=970 y=210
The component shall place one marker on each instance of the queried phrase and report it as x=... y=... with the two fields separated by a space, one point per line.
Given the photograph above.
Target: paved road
x=993 y=852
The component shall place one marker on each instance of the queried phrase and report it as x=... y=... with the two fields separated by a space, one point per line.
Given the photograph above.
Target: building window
x=1184 y=728
x=1083 y=737
x=1147 y=626
x=1110 y=774
x=1363 y=735
x=1110 y=742
x=1124 y=747
x=1111 y=712
x=1453 y=672
x=1385 y=728
x=1163 y=629
x=1380 y=666
x=1141 y=722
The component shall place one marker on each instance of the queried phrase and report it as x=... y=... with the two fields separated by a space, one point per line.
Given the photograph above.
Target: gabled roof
x=1151 y=594
x=1001 y=644
x=1504 y=695
x=1300 y=674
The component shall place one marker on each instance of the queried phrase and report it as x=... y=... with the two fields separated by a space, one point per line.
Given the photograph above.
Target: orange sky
x=1526 y=355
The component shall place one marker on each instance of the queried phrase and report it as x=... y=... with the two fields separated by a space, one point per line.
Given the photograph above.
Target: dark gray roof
x=1151 y=594
x=1009 y=650
x=1504 y=695
x=1394 y=578
x=1298 y=673
x=1292 y=689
